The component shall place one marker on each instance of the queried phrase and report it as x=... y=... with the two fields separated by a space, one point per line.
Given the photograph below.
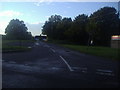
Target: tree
x=50 y=26
x=55 y=18
x=77 y=31
x=17 y=30
x=98 y=27
x=102 y=25
x=62 y=27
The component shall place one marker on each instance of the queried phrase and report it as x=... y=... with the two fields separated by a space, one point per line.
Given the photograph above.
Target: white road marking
x=100 y=70
x=55 y=68
x=66 y=63
x=53 y=50
x=12 y=62
x=29 y=47
x=36 y=43
x=104 y=72
x=81 y=69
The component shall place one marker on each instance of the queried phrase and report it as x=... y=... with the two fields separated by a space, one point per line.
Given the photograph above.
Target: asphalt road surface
x=52 y=66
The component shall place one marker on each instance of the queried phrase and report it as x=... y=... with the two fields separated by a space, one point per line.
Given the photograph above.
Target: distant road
x=52 y=66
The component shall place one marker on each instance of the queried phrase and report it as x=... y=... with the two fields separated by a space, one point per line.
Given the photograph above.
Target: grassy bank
x=14 y=49
x=16 y=45
x=106 y=52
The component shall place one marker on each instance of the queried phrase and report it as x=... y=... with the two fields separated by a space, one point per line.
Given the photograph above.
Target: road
x=51 y=66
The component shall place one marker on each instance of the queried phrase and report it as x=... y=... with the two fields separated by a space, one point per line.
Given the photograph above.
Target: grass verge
x=111 y=53
x=106 y=52
x=6 y=49
x=16 y=45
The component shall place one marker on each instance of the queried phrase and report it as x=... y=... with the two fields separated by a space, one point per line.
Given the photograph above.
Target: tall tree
x=62 y=27
x=16 y=29
x=102 y=25
x=55 y=18
x=77 y=32
x=50 y=26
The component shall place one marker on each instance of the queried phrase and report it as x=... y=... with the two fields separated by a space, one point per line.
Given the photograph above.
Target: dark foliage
x=98 y=27
x=17 y=30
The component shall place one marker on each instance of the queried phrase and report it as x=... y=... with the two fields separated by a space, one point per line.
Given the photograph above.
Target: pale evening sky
x=34 y=14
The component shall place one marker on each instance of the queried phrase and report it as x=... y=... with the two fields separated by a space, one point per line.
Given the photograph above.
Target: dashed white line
x=53 y=50
x=81 y=69
x=104 y=72
x=29 y=47
x=36 y=43
x=101 y=70
x=66 y=63
x=12 y=62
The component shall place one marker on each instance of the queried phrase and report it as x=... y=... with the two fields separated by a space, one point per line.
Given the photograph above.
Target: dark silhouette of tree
x=17 y=30
x=50 y=26
x=102 y=25
x=55 y=18
x=98 y=27
x=62 y=27
x=77 y=31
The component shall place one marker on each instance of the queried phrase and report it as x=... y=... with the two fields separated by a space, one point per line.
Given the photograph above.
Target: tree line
x=98 y=27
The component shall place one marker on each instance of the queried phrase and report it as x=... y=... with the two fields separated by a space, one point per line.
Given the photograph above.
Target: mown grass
x=106 y=52
x=9 y=46
x=13 y=41
x=14 y=48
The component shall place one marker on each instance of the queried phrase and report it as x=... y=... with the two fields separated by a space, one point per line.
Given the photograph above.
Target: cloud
x=47 y=17
x=35 y=27
x=37 y=4
x=0 y=6
x=43 y=2
x=35 y=23
x=3 y=25
x=10 y=13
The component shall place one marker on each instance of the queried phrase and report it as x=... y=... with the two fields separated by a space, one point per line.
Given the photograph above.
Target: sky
x=34 y=14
